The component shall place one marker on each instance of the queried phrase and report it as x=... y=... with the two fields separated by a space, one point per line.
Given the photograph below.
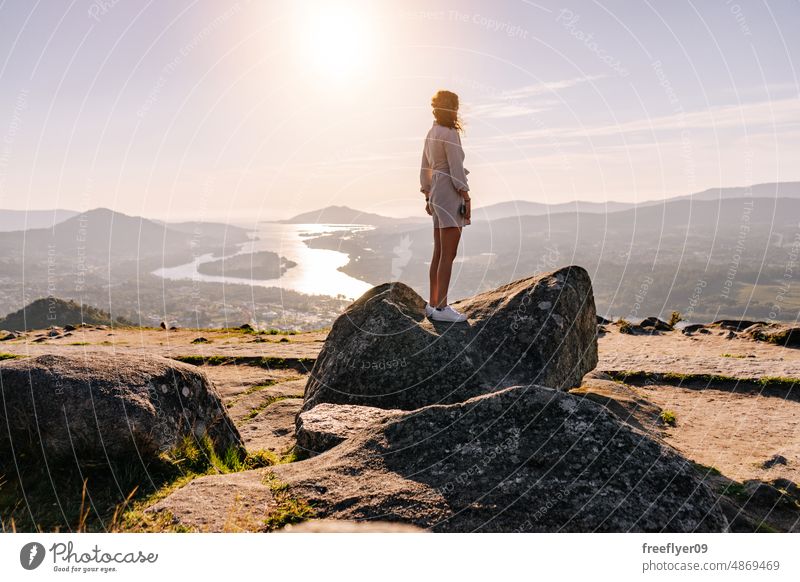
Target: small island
x=261 y=265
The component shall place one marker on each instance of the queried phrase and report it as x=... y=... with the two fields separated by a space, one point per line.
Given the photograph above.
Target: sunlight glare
x=337 y=38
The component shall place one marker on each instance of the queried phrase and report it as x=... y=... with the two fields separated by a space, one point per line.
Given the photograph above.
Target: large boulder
x=100 y=407
x=526 y=458
x=383 y=352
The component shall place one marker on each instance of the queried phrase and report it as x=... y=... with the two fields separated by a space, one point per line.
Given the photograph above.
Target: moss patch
x=776 y=383
x=300 y=364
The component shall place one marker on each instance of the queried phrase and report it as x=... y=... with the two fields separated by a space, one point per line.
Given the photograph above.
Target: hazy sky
x=258 y=109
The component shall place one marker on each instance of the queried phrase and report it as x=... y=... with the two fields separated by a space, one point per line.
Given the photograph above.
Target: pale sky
x=259 y=109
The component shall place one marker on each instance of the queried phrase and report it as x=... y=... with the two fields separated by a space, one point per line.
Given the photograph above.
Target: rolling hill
x=48 y=311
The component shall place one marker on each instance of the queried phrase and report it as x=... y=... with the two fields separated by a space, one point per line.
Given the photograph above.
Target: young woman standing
x=443 y=180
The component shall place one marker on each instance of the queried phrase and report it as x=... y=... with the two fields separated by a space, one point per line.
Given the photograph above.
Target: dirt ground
x=230 y=343
x=733 y=432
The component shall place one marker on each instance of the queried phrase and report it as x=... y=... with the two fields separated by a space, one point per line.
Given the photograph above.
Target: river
x=316 y=271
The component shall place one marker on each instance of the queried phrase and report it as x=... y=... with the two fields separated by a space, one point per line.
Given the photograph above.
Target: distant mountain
x=343 y=215
x=707 y=259
x=107 y=236
x=767 y=190
x=48 y=311
x=528 y=208
x=518 y=208
x=11 y=220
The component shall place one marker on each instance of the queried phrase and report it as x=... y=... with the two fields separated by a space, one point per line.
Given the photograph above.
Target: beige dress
x=443 y=174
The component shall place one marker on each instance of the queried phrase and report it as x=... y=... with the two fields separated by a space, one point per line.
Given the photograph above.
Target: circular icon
x=31 y=555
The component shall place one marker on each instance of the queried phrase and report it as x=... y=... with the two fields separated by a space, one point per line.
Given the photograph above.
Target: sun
x=336 y=39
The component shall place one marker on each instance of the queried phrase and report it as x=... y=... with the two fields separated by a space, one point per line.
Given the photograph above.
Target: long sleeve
x=455 y=160
x=425 y=172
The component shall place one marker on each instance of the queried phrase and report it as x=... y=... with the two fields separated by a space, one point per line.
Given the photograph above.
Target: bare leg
x=433 y=272
x=449 y=239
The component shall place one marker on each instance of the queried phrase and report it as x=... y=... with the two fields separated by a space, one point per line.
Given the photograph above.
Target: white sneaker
x=429 y=309
x=447 y=313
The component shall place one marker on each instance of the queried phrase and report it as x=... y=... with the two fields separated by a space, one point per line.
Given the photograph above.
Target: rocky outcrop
x=775 y=333
x=524 y=458
x=383 y=352
x=654 y=324
x=447 y=427
x=736 y=324
x=99 y=407
x=694 y=328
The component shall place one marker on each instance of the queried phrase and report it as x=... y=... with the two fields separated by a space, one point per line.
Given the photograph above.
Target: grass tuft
x=289 y=510
x=668 y=417
x=675 y=318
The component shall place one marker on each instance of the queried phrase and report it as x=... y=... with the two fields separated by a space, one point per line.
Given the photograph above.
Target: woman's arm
x=425 y=173
x=455 y=160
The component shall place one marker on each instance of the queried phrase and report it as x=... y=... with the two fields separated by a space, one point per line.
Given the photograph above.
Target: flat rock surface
x=250 y=402
x=327 y=425
x=698 y=354
x=234 y=502
x=235 y=381
x=272 y=428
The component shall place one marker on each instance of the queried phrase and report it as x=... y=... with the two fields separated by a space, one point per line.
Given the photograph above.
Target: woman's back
x=444 y=156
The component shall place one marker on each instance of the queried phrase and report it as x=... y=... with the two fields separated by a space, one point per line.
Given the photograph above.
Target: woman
x=443 y=180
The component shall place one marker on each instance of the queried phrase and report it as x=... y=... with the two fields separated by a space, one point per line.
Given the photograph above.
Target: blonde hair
x=445 y=109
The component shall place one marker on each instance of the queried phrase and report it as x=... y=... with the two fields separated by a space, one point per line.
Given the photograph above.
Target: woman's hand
x=428 y=207
x=467 y=203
